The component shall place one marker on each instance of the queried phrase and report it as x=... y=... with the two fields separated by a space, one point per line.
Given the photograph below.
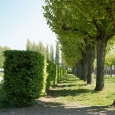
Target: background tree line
x=49 y=52
x=2 y=49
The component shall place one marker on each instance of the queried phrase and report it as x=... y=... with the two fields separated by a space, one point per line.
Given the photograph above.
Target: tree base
x=113 y=104
x=99 y=89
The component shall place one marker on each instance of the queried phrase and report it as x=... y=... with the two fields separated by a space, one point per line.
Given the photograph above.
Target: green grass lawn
x=73 y=91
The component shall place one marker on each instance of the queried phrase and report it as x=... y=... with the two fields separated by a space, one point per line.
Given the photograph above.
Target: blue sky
x=21 y=20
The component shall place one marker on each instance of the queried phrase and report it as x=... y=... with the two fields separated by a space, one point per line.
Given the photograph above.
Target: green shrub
x=54 y=74
x=23 y=73
x=63 y=72
x=49 y=74
x=44 y=77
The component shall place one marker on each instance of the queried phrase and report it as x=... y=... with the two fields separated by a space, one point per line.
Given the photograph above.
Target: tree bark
x=74 y=70
x=101 y=47
x=84 y=69
x=78 y=70
x=111 y=71
x=91 y=55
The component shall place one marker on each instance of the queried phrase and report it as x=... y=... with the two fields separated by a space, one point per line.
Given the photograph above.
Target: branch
x=96 y=25
x=65 y=28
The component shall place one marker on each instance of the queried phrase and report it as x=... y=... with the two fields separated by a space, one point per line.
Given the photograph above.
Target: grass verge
x=74 y=91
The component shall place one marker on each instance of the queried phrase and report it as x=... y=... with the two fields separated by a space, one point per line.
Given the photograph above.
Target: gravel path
x=50 y=108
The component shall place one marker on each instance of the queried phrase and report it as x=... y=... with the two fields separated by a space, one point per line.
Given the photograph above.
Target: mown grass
x=74 y=91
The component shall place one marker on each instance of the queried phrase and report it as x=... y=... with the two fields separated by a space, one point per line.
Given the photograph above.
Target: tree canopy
x=84 y=22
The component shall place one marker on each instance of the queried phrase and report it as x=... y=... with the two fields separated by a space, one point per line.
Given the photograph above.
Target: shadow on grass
x=65 y=85
x=70 y=80
x=68 y=92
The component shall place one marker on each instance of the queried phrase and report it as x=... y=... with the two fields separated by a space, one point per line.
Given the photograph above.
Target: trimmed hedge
x=54 y=74
x=44 y=77
x=28 y=75
x=23 y=74
x=49 y=74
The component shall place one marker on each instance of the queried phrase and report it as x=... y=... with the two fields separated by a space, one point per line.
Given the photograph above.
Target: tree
x=97 y=24
x=57 y=55
x=28 y=45
x=51 y=53
x=42 y=49
x=101 y=14
x=47 y=52
x=2 y=49
x=67 y=32
x=63 y=62
x=32 y=46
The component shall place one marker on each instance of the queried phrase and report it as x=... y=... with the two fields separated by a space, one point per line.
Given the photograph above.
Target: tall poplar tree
x=51 y=53
x=57 y=54
x=47 y=52
x=2 y=49
x=28 y=45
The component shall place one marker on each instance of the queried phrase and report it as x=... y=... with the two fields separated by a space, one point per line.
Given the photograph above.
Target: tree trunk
x=113 y=104
x=111 y=71
x=101 y=47
x=91 y=55
x=74 y=70
x=78 y=70
x=84 y=69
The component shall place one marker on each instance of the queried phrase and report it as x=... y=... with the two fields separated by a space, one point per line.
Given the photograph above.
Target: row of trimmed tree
x=84 y=29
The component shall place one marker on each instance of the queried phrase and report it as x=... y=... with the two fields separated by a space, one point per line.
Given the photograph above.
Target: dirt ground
x=47 y=106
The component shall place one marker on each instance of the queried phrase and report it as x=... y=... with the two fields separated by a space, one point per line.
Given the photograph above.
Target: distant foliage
x=57 y=56
x=52 y=53
x=47 y=52
x=2 y=49
x=32 y=46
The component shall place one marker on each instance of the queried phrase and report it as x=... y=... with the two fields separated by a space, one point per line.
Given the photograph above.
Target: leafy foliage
x=79 y=23
x=55 y=74
x=32 y=46
x=2 y=49
x=23 y=76
x=57 y=56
